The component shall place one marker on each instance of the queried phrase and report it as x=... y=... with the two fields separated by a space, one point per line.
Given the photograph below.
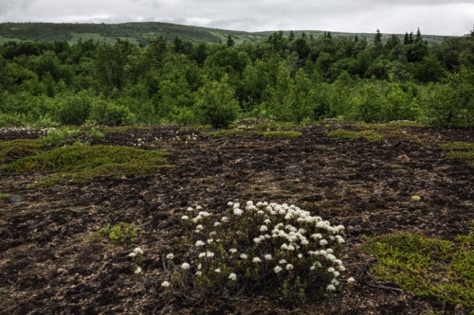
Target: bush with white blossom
x=259 y=247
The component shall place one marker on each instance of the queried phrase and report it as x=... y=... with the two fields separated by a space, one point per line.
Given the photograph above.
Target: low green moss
x=391 y=125
x=276 y=125
x=86 y=163
x=458 y=145
x=348 y=134
x=15 y=149
x=281 y=134
x=5 y=196
x=426 y=266
x=119 y=233
x=227 y=133
x=460 y=150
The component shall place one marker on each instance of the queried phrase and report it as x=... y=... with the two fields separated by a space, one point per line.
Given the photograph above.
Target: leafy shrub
x=59 y=137
x=452 y=104
x=75 y=109
x=110 y=114
x=216 y=104
x=258 y=247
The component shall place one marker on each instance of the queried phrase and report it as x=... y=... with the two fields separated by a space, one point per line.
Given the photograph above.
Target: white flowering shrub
x=258 y=247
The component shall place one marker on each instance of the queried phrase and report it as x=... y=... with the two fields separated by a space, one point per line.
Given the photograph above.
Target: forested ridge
x=295 y=77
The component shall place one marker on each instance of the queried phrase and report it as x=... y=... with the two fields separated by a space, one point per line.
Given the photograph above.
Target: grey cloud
x=444 y=17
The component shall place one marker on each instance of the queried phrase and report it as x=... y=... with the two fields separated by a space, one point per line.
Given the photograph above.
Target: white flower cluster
x=269 y=238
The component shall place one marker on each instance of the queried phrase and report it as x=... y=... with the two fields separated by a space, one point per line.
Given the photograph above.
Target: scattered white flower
x=184 y=217
x=243 y=256
x=268 y=257
x=199 y=243
x=277 y=269
x=331 y=269
x=218 y=270
x=209 y=241
x=351 y=280
x=200 y=227
x=238 y=211
x=225 y=219
x=202 y=255
x=170 y=256
x=138 y=270
x=230 y=203
x=190 y=209
x=165 y=284
x=210 y=254
x=233 y=276
x=282 y=262
x=198 y=273
x=313 y=267
x=323 y=242
x=300 y=256
x=233 y=250
x=138 y=250
x=236 y=205
x=217 y=223
x=185 y=266
x=256 y=260
x=198 y=208
x=331 y=287
x=289 y=267
x=132 y=255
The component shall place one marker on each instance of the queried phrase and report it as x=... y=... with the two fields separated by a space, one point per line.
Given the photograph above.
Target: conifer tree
x=378 y=37
x=230 y=41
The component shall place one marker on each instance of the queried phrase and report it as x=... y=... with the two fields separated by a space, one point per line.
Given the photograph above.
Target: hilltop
x=140 y=33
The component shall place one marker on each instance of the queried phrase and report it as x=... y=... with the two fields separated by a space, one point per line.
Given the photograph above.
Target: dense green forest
x=285 y=77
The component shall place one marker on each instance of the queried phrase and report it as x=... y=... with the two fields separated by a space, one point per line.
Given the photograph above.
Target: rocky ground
x=50 y=265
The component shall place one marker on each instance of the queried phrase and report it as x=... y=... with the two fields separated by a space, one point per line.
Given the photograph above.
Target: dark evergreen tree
x=292 y=36
x=230 y=41
x=378 y=37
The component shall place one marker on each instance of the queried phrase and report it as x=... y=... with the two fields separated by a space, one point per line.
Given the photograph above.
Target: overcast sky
x=438 y=17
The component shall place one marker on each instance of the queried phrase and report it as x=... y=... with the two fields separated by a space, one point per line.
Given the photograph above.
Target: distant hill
x=140 y=33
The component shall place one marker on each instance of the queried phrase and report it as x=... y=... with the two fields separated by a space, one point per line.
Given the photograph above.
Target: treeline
x=288 y=78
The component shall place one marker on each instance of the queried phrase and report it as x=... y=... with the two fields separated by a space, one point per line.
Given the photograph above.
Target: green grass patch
x=5 y=196
x=348 y=134
x=275 y=125
x=458 y=145
x=460 y=150
x=281 y=134
x=84 y=163
x=19 y=148
x=390 y=126
x=426 y=266
x=119 y=233
x=227 y=133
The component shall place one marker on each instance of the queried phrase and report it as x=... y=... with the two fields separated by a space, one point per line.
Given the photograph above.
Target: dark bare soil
x=49 y=265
